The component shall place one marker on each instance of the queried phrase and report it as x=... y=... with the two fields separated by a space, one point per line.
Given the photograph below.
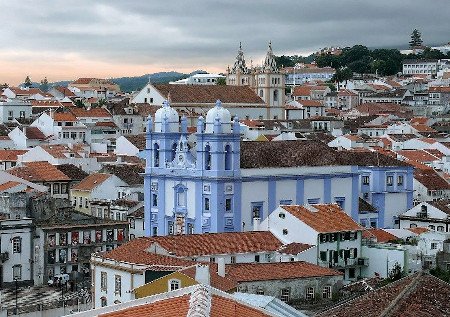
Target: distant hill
x=128 y=84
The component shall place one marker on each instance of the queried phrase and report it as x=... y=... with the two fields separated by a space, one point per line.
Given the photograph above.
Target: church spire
x=270 y=65
x=239 y=64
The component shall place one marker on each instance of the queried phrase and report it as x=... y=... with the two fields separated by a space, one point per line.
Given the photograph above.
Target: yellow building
x=196 y=274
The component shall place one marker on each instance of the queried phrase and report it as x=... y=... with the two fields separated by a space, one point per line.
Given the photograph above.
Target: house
x=310 y=92
x=58 y=154
x=96 y=186
x=288 y=281
x=44 y=173
x=94 y=87
x=131 y=175
x=8 y=158
x=420 y=66
x=25 y=137
x=336 y=236
x=61 y=93
x=301 y=74
x=439 y=95
x=409 y=295
x=199 y=79
x=131 y=145
x=126 y=117
x=23 y=93
x=14 y=109
x=432 y=215
x=152 y=258
x=429 y=186
x=347 y=99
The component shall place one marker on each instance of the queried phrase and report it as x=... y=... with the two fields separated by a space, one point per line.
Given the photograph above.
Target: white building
x=199 y=79
x=418 y=66
x=14 y=109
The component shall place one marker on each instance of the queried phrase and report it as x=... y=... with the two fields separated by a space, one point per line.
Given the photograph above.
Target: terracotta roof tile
x=417 y=155
x=8 y=185
x=65 y=91
x=91 y=181
x=45 y=104
x=416 y=295
x=33 y=133
x=137 y=140
x=323 y=217
x=64 y=116
x=60 y=151
x=209 y=94
x=381 y=235
x=108 y=124
x=418 y=230
x=11 y=155
x=294 y=248
x=72 y=171
x=305 y=90
x=310 y=103
x=91 y=113
x=246 y=272
x=431 y=180
x=39 y=172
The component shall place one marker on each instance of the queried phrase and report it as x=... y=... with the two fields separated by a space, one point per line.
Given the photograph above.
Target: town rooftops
x=200 y=94
x=91 y=181
x=420 y=294
x=33 y=133
x=380 y=235
x=306 y=153
x=323 y=218
x=305 y=90
x=60 y=151
x=73 y=172
x=224 y=283
x=249 y=272
x=130 y=174
x=431 y=180
x=65 y=91
x=64 y=116
x=39 y=172
x=25 y=92
x=137 y=140
x=294 y=248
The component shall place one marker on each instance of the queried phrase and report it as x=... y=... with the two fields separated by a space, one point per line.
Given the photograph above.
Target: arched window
x=275 y=95
x=261 y=93
x=156 y=155
x=174 y=151
x=207 y=157
x=228 y=157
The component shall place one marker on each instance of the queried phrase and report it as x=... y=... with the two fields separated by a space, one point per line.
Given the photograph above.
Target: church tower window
x=228 y=157
x=207 y=157
x=156 y=155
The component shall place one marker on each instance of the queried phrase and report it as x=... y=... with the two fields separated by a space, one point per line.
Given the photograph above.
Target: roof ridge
x=200 y=302
x=389 y=310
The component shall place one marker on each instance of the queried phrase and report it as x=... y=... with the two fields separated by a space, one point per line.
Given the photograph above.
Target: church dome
x=220 y=114
x=166 y=111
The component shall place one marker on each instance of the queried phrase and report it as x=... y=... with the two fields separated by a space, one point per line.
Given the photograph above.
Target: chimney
x=202 y=274
x=221 y=267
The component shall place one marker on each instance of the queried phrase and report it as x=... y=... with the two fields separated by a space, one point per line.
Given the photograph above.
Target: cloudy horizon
x=118 y=38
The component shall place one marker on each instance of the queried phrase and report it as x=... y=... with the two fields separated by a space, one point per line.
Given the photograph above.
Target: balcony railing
x=345 y=263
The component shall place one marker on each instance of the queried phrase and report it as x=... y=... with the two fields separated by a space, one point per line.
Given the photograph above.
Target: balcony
x=341 y=263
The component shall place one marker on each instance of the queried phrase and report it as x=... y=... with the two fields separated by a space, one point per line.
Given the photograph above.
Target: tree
x=221 y=81
x=396 y=273
x=416 y=39
x=27 y=83
x=342 y=74
x=44 y=85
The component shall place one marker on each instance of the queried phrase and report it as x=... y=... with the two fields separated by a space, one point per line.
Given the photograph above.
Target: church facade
x=266 y=80
x=211 y=181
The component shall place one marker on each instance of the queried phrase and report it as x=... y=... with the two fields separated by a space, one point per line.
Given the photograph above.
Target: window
x=310 y=293
x=22 y=114
x=228 y=204
x=17 y=245
x=285 y=202
x=285 y=295
x=440 y=228
x=190 y=228
x=56 y=188
x=17 y=272
x=434 y=245
x=64 y=188
x=174 y=285
x=340 y=201
x=365 y=180
x=154 y=200
x=206 y=204
x=154 y=231
x=323 y=256
x=212 y=260
x=261 y=93
x=282 y=215
x=400 y=180
x=118 y=285
x=413 y=225
x=326 y=292
x=257 y=258
x=207 y=157
x=285 y=232
x=233 y=259
x=10 y=115
x=351 y=272
x=390 y=180
x=181 y=197
x=257 y=209
x=103 y=301
x=275 y=95
x=431 y=227
x=80 y=202
x=104 y=281
x=156 y=155
x=228 y=157
x=86 y=203
x=313 y=201
x=170 y=227
x=260 y=291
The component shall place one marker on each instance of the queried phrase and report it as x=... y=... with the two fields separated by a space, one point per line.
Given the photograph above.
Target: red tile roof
x=416 y=295
x=305 y=90
x=46 y=103
x=423 y=128
x=295 y=248
x=8 y=185
x=310 y=103
x=441 y=89
x=92 y=181
x=26 y=92
x=64 y=116
x=417 y=155
x=323 y=217
x=91 y=113
x=39 y=172
x=60 y=151
x=246 y=272
x=65 y=91
x=108 y=124
x=199 y=94
x=380 y=235
x=11 y=155
x=418 y=230
x=33 y=133
x=431 y=180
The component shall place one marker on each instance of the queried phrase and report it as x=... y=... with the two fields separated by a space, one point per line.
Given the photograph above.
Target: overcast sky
x=70 y=39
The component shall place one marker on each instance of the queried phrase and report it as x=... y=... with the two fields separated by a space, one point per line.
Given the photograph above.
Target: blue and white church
x=211 y=181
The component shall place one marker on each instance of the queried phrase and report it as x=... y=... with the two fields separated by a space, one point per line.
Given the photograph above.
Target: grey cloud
x=207 y=32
